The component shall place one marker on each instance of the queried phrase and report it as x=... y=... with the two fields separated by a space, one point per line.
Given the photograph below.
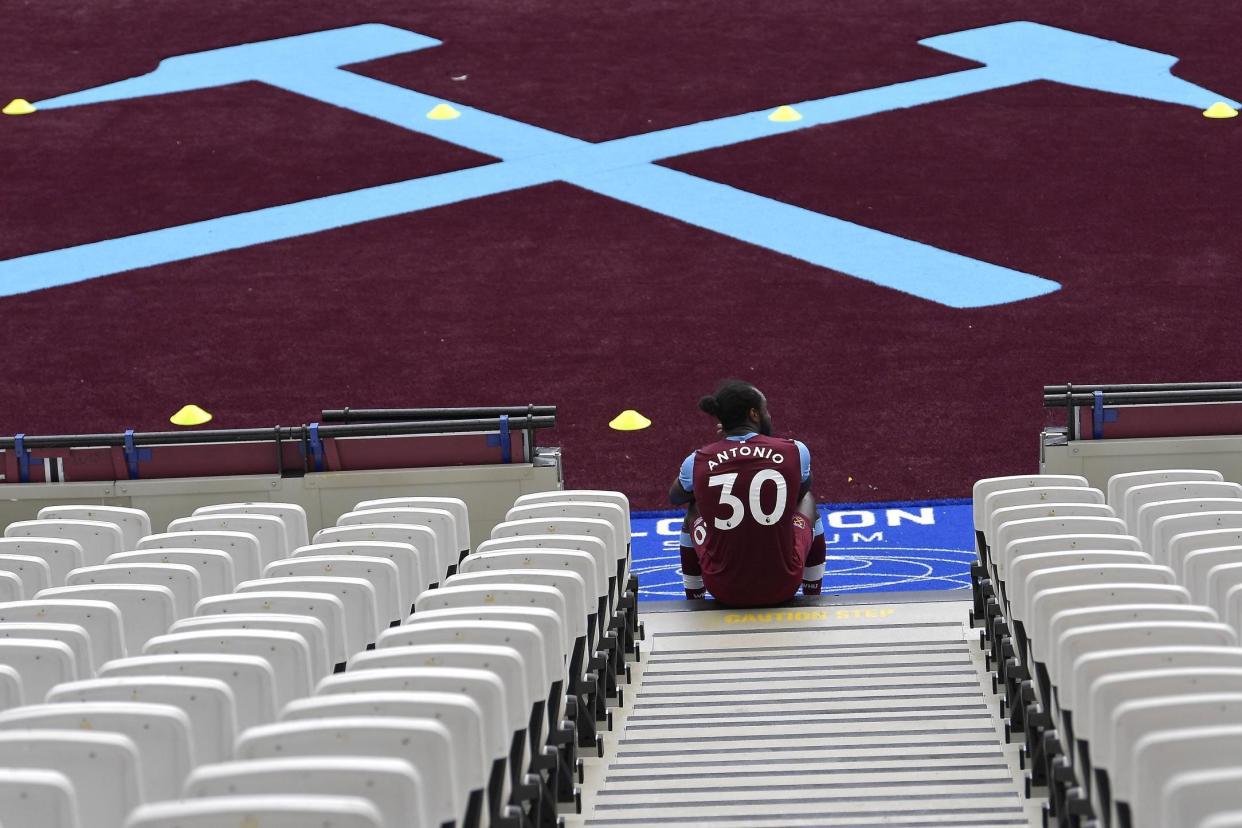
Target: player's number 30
x=738 y=509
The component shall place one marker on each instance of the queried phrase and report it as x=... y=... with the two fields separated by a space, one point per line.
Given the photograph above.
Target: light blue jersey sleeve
x=686 y=477
x=804 y=455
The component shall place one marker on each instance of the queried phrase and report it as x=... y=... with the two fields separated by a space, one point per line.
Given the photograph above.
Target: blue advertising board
x=872 y=547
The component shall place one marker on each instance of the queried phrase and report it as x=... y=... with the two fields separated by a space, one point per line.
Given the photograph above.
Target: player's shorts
x=771 y=586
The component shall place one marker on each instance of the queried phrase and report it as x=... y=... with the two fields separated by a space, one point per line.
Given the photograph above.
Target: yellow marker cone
x=443 y=112
x=18 y=106
x=784 y=114
x=190 y=415
x=629 y=420
x=1220 y=109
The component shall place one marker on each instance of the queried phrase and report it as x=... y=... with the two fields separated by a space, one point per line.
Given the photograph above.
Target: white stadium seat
x=133 y=523
x=988 y=485
x=209 y=704
x=1160 y=755
x=580 y=509
x=383 y=575
x=593 y=546
x=147 y=610
x=1137 y=718
x=1138 y=496
x=1019 y=530
x=1193 y=797
x=327 y=609
x=1169 y=527
x=1132 y=635
x=576 y=507
x=457 y=712
x=1042 y=510
x=549 y=624
x=1023 y=566
x=181 y=580
x=505 y=662
x=1112 y=690
x=1062 y=543
x=1220 y=580
x=592 y=527
x=579 y=603
x=1232 y=610
x=11 y=693
x=97 y=539
x=250 y=678
x=425 y=744
x=1081 y=576
x=45 y=798
x=525 y=638
x=101 y=619
x=484 y=687
x=1198 y=562
x=414 y=576
x=1164 y=670
x=357 y=596
x=1006 y=505
x=159 y=732
x=286 y=652
x=101 y=767
x=215 y=568
x=1045 y=605
x=41 y=663
x=393 y=786
x=307 y=626
x=1119 y=484
x=453 y=505
x=242 y=547
x=73 y=635
x=60 y=554
x=582 y=563
x=513 y=595
x=291 y=514
x=439 y=521
x=11 y=587
x=34 y=572
x=270 y=811
x=268 y=530
x=615 y=498
x=1076 y=672
x=422 y=538
x=1145 y=522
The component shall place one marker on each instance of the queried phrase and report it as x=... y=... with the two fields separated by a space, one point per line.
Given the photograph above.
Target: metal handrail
x=371 y=415
x=279 y=433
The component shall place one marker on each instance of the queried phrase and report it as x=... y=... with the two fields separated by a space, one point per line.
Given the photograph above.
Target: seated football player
x=751 y=535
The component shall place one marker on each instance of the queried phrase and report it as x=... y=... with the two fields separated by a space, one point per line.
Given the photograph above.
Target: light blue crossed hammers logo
x=310 y=65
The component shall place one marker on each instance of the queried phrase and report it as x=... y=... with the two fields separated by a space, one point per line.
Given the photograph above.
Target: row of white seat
x=508 y=643
x=1104 y=619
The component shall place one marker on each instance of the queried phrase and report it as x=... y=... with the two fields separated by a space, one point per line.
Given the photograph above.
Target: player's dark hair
x=732 y=402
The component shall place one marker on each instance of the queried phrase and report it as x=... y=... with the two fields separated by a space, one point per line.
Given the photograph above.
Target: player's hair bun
x=708 y=405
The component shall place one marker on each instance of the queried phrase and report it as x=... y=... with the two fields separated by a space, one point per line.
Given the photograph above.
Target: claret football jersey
x=746 y=489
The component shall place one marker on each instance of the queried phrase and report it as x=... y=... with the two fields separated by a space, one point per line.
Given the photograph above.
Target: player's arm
x=678 y=496
x=682 y=490
x=813 y=569
x=804 y=463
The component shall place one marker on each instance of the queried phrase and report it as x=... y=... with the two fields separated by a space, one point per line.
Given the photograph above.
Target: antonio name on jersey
x=744 y=450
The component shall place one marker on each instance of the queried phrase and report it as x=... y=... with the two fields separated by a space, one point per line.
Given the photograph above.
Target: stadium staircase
x=817 y=715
